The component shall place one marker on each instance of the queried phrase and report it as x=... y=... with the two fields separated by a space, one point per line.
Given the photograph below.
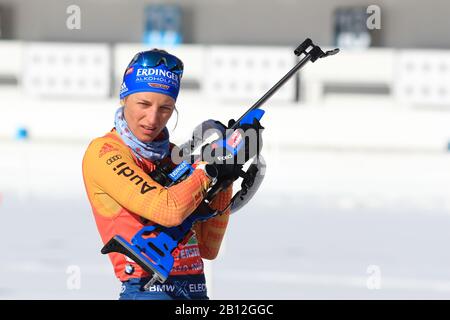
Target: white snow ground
x=325 y=224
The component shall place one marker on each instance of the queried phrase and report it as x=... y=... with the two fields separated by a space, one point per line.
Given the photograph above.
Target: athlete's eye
x=145 y=104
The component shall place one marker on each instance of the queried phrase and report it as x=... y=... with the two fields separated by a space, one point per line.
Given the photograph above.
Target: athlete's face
x=147 y=113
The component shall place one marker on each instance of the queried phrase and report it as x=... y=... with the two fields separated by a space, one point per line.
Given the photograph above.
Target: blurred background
x=356 y=198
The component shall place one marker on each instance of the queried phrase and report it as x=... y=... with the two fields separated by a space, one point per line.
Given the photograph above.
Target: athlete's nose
x=151 y=117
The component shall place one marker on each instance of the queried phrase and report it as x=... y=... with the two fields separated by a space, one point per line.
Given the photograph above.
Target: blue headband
x=159 y=79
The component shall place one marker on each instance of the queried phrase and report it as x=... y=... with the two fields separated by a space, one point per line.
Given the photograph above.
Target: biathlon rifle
x=156 y=254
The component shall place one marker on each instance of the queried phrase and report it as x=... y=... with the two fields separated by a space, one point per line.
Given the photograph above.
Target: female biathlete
x=126 y=198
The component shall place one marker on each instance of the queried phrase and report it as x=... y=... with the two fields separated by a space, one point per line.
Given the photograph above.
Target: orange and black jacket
x=124 y=198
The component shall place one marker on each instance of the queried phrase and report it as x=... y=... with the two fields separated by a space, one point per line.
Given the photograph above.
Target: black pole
x=311 y=55
x=275 y=88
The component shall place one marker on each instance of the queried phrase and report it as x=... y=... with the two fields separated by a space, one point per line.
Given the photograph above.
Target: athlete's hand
x=241 y=144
